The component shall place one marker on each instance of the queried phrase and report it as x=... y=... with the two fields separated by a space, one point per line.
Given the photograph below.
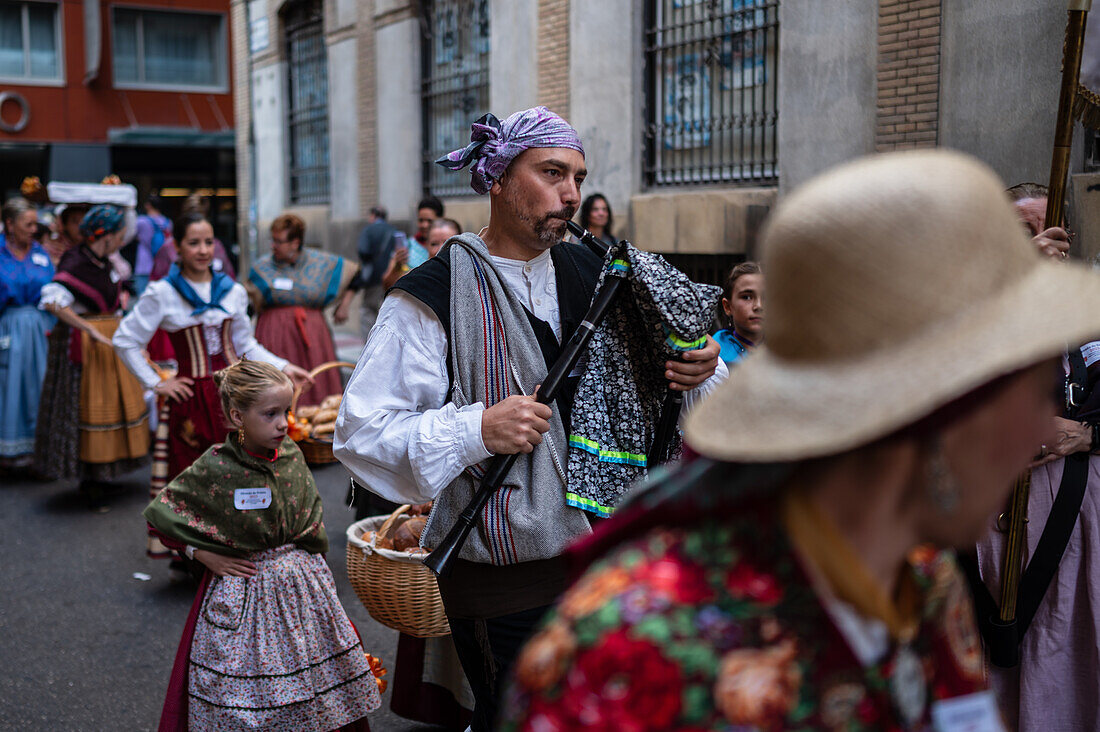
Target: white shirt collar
x=539 y=261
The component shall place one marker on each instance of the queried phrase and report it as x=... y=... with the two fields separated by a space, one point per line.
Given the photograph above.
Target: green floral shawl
x=198 y=509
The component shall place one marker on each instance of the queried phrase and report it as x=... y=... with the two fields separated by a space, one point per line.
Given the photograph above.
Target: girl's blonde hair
x=242 y=384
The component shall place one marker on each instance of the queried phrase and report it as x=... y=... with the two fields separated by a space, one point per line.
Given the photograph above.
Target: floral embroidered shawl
x=197 y=508
x=711 y=623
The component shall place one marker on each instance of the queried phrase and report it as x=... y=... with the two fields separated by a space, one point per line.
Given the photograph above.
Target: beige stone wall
x=472 y=213
x=368 y=109
x=1084 y=194
x=702 y=221
x=553 y=55
x=242 y=116
x=907 y=114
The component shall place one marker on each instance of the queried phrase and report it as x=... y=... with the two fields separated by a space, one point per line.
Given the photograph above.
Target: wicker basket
x=395 y=587
x=318 y=451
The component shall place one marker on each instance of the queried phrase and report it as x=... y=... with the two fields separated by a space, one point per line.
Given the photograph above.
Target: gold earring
x=240 y=436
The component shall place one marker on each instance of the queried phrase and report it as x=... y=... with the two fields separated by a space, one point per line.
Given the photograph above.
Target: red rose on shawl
x=744 y=581
x=679 y=581
x=618 y=685
x=867 y=712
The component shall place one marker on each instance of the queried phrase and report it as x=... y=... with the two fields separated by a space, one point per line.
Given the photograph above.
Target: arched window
x=307 y=119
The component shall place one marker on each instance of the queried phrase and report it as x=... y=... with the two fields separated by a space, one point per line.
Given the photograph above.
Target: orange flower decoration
x=758 y=686
x=593 y=591
x=32 y=189
x=297 y=431
x=379 y=671
x=545 y=658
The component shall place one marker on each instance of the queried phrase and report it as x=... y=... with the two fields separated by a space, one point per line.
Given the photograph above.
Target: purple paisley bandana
x=494 y=144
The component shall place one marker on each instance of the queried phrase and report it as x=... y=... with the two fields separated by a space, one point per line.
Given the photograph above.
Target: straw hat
x=896 y=284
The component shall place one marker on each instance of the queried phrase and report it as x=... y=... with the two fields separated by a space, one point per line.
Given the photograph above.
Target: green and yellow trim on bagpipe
x=620 y=265
x=587 y=504
x=679 y=344
x=606 y=456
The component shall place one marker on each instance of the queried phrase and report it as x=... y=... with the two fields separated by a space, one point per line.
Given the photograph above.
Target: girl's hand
x=176 y=388
x=224 y=566
x=100 y=338
x=298 y=375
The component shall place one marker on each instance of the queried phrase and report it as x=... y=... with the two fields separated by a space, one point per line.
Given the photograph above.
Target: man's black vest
x=576 y=271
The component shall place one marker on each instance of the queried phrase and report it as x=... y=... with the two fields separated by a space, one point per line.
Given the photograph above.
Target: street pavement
x=86 y=645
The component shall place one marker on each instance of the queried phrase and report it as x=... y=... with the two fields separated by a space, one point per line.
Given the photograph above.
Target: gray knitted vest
x=495 y=354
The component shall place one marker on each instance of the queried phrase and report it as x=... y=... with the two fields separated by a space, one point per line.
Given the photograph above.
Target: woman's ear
x=236 y=417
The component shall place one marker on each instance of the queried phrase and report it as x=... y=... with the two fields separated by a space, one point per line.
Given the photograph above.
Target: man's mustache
x=565 y=213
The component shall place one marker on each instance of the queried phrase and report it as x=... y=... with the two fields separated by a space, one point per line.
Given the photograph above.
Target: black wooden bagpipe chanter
x=441 y=559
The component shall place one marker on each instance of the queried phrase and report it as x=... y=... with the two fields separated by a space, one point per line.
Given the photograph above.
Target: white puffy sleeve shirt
x=394 y=431
x=160 y=306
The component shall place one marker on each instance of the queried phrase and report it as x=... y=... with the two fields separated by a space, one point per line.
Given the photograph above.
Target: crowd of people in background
x=796 y=569
x=113 y=362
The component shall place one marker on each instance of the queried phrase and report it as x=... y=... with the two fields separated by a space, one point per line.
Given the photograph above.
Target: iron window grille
x=710 y=70
x=454 y=86
x=308 y=103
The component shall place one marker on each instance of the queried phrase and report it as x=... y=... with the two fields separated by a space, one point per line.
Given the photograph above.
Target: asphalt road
x=84 y=645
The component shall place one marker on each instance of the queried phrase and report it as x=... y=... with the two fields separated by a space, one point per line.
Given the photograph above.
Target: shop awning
x=170 y=137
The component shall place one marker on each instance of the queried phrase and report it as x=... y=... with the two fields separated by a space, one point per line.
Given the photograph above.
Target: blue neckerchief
x=219 y=288
x=733 y=347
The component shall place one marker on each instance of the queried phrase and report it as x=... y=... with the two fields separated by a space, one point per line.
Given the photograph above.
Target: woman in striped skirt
x=205 y=314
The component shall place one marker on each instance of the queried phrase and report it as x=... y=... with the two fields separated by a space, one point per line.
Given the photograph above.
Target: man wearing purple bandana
x=448 y=376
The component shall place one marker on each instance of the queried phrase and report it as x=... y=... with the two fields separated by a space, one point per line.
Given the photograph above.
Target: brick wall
x=907 y=114
x=553 y=55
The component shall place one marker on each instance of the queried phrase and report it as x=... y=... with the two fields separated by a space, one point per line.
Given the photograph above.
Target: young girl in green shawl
x=267 y=644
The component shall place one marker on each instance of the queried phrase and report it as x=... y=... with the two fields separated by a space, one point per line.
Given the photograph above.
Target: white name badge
x=246 y=499
x=1091 y=352
x=283 y=283
x=217 y=265
x=40 y=259
x=970 y=713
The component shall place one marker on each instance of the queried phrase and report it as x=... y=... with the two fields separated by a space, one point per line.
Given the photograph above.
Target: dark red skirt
x=301 y=336
x=196 y=424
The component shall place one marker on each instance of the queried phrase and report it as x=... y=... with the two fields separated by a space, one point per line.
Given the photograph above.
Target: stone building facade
x=696 y=114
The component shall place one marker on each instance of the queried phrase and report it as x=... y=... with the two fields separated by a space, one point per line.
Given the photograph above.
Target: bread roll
x=332 y=402
x=323 y=430
x=307 y=412
x=408 y=534
x=325 y=415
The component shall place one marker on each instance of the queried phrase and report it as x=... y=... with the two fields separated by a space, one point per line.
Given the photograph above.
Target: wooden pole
x=1063 y=129
x=1014 y=547
x=1056 y=200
